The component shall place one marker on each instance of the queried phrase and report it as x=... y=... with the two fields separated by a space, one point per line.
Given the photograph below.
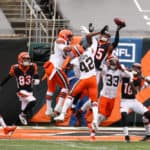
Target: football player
x=87 y=81
x=26 y=74
x=7 y=129
x=112 y=73
x=129 y=101
x=55 y=72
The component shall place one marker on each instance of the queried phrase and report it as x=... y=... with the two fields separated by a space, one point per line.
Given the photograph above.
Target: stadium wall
x=129 y=50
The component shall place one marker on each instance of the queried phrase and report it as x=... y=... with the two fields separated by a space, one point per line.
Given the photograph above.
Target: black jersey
x=127 y=90
x=100 y=54
x=24 y=77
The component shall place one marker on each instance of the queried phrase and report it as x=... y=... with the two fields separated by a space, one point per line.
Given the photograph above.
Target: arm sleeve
x=36 y=76
x=116 y=40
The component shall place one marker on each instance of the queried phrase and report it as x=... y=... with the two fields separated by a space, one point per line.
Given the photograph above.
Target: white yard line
x=76 y=128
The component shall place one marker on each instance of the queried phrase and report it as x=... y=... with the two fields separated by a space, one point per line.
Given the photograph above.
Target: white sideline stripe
x=139 y=7
x=77 y=128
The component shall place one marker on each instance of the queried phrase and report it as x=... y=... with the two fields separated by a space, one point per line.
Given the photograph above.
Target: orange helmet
x=65 y=34
x=24 y=58
x=77 y=50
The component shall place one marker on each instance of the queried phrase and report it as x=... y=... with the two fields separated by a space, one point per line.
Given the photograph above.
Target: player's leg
x=125 y=105
x=77 y=88
x=27 y=103
x=49 y=96
x=93 y=96
x=146 y=121
x=141 y=109
x=60 y=100
x=7 y=129
x=62 y=81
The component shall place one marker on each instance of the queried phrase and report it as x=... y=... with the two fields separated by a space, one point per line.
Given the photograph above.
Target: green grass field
x=70 y=145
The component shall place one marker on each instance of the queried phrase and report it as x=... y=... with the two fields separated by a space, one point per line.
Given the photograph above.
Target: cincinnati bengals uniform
x=128 y=97
x=26 y=74
x=129 y=102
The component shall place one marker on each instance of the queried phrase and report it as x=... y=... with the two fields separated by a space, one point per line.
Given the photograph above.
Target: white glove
x=36 y=81
x=84 y=30
x=147 y=78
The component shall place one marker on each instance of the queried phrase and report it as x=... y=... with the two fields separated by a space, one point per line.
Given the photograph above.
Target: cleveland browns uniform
x=87 y=81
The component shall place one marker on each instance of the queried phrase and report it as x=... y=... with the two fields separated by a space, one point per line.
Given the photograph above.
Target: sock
x=95 y=111
x=101 y=118
x=126 y=131
x=86 y=105
x=68 y=102
x=49 y=104
x=49 y=96
x=146 y=125
x=59 y=104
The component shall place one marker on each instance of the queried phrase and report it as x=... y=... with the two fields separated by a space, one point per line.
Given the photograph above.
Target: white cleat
x=49 y=112
x=23 y=119
x=61 y=117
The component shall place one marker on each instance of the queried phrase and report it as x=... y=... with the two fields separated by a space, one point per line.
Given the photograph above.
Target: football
x=119 y=22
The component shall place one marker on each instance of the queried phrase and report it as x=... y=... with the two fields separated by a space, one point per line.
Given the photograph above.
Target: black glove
x=91 y=27
x=105 y=28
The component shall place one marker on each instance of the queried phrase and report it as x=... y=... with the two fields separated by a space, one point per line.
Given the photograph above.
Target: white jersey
x=111 y=79
x=87 y=66
x=57 y=58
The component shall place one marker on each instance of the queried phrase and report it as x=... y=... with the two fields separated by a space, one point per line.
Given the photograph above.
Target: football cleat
x=127 y=138
x=49 y=112
x=92 y=132
x=23 y=119
x=9 y=130
x=61 y=117
x=92 y=136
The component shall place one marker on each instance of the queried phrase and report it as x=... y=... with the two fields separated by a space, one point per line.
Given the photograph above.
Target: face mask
x=113 y=67
x=26 y=63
